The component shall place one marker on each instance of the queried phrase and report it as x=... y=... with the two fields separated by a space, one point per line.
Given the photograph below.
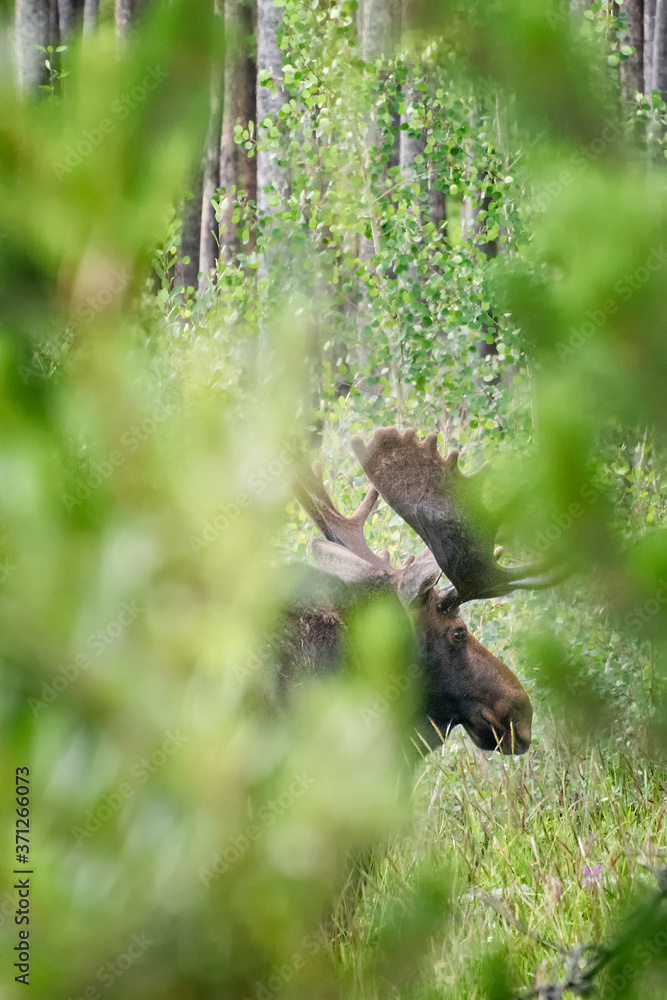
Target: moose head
x=464 y=683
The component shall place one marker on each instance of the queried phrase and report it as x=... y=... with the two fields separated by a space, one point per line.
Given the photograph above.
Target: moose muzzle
x=506 y=726
x=501 y=716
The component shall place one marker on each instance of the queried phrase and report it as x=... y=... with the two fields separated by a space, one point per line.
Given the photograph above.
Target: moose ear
x=340 y=562
x=418 y=576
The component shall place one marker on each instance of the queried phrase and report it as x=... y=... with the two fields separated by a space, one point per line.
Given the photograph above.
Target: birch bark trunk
x=36 y=23
x=91 y=14
x=270 y=176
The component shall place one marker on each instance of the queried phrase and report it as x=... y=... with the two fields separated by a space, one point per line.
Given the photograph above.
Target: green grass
x=511 y=841
x=525 y=859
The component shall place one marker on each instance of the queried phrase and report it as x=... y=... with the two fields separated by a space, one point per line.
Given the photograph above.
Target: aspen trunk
x=91 y=14
x=36 y=23
x=269 y=60
x=237 y=170
x=208 y=236
x=377 y=28
x=434 y=210
x=70 y=18
x=632 y=69
x=187 y=265
x=125 y=11
x=658 y=79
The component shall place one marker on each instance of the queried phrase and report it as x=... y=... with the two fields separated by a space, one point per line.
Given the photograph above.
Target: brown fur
x=462 y=682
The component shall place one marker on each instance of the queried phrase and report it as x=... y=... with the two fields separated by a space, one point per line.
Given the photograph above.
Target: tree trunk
x=125 y=11
x=437 y=203
x=632 y=69
x=378 y=23
x=270 y=176
x=410 y=146
x=208 y=242
x=248 y=99
x=434 y=209
x=187 y=265
x=36 y=23
x=70 y=13
x=377 y=28
x=237 y=170
x=649 y=31
x=488 y=247
x=91 y=14
x=473 y=205
x=659 y=58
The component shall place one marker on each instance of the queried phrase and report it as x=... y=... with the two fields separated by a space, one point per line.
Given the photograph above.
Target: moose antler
x=448 y=510
x=347 y=533
x=314 y=497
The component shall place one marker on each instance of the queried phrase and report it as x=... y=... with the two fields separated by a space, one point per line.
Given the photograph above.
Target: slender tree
x=632 y=69
x=208 y=242
x=649 y=29
x=377 y=28
x=657 y=79
x=378 y=23
x=36 y=24
x=187 y=265
x=237 y=171
x=247 y=105
x=125 y=11
x=410 y=147
x=70 y=14
x=91 y=13
x=655 y=50
x=270 y=176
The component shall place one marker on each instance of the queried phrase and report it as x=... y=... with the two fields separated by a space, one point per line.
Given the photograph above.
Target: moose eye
x=459 y=634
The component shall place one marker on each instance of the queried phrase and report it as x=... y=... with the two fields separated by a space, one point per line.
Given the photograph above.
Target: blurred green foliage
x=187 y=840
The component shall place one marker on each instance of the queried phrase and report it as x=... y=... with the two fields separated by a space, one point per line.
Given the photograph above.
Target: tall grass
x=534 y=856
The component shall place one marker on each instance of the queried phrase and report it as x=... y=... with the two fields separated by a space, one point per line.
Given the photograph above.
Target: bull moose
x=462 y=682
